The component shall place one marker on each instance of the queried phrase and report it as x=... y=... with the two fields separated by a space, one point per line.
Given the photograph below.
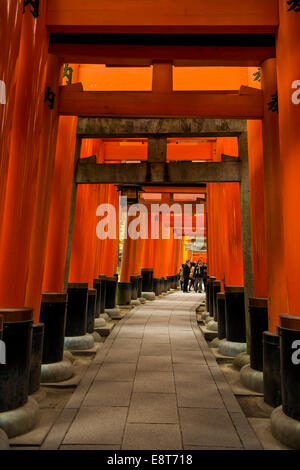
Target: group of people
x=193 y=275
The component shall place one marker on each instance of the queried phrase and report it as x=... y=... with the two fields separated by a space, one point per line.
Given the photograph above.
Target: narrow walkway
x=154 y=385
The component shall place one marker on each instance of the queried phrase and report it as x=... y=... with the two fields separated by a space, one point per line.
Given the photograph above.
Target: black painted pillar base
x=76 y=324
x=221 y=315
x=235 y=314
x=156 y=286
x=271 y=368
x=124 y=290
x=147 y=280
x=134 y=287
x=91 y=310
x=53 y=315
x=14 y=375
x=111 y=292
x=36 y=358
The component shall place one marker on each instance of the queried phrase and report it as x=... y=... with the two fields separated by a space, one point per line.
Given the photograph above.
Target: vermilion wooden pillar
x=128 y=264
x=108 y=257
x=10 y=33
x=21 y=188
x=58 y=226
x=47 y=146
x=84 y=243
x=256 y=181
x=288 y=73
x=273 y=166
x=225 y=256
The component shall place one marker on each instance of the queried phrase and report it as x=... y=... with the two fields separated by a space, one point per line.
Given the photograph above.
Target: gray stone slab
x=98 y=425
x=193 y=373
x=154 y=381
x=82 y=389
x=153 y=408
x=150 y=349
x=208 y=427
x=106 y=393
x=211 y=448
x=245 y=431
x=157 y=339
x=59 y=430
x=155 y=363
x=124 y=343
x=152 y=436
x=156 y=331
x=131 y=332
x=198 y=395
x=225 y=390
x=180 y=344
x=105 y=330
x=117 y=372
x=38 y=434
x=90 y=447
x=187 y=356
x=122 y=355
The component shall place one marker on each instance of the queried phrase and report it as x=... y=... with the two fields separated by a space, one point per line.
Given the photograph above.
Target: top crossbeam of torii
x=194 y=16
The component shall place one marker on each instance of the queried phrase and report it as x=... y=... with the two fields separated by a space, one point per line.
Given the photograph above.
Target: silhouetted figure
x=186 y=275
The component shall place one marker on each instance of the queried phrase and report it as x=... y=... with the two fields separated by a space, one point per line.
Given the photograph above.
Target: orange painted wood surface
x=11 y=13
x=173 y=13
x=21 y=187
x=139 y=104
x=44 y=186
x=288 y=71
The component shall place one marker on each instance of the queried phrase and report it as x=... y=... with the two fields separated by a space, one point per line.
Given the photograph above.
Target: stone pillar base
x=56 y=372
x=241 y=360
x=4 y=443
x=99 y=322
x=148 y=295
x=252 y=379
x=21 y=420
x=113 y=312
x=142 y=300
x=229 y=348
x=205 y=315
x=208 y=319
x=285 y=429
x=135 y=302
x=79 y=342
x=104 y=316
x=212 y=325
x=215 y=343
x=125 y=307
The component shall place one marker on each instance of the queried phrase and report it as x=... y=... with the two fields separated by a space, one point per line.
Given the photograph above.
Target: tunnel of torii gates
x=38 y=138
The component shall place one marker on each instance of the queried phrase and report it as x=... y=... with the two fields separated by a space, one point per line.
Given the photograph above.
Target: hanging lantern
x=131 y=191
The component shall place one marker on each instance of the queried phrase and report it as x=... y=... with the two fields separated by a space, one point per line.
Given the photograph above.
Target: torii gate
x=157 y=172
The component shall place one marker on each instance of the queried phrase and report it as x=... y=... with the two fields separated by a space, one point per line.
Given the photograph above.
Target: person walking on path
x=186 y=275
x=204 y=274
x=198 y=277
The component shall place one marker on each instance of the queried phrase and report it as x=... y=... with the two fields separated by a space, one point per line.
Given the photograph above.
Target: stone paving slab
x=155 y=384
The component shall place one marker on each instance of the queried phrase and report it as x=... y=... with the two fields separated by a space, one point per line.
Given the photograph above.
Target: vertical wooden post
x=246 y=225
x=72 y=212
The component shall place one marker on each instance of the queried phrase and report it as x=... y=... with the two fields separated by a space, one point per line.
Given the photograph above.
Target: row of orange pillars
x=36 y=162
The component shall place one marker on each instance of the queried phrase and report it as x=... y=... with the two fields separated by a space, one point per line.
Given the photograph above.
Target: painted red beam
x=120 y=54
x=174 y=15
x=73 y=102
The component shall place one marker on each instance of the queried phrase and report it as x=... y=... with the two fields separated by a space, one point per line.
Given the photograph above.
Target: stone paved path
x=154 y=385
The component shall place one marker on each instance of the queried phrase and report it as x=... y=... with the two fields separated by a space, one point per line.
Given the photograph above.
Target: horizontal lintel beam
x=144 y=55
x=101 y=128
x=147 y=104
x=89 y=172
